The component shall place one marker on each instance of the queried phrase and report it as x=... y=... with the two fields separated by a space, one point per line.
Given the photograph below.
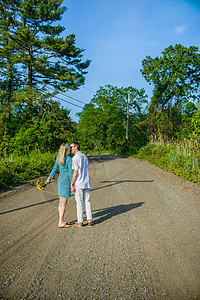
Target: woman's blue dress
x=65 y=176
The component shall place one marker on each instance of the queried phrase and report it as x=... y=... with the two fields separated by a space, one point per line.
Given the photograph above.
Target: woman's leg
x=61 y=210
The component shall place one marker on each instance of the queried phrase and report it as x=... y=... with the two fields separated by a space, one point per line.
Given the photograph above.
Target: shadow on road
x=101 y=215
x=99 y=158
x=114 y=182
x=101 y=187
x=28 y=206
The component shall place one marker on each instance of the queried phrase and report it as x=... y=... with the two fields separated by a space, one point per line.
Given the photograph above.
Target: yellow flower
x=40 y=185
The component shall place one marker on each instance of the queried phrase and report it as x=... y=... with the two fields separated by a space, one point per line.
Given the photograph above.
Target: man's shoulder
x=79 y=154
x=84 y=156
x=76 y=156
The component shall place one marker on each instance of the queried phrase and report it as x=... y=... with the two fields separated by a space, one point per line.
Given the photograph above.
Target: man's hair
x=77 y=145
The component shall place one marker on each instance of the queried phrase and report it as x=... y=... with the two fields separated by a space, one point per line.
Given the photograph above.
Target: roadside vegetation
x=180 y=158
x=37 y=64
x=18 y=169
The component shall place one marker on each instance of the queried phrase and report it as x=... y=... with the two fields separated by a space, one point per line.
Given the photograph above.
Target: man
x=81 y=184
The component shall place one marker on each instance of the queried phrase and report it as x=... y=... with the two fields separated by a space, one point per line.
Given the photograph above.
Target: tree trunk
x=30 y=68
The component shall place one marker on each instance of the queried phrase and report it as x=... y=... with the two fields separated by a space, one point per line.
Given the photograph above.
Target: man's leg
x=88 y=204
x=79 y=204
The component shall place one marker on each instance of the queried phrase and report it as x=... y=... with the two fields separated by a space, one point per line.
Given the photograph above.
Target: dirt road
x=145 y=243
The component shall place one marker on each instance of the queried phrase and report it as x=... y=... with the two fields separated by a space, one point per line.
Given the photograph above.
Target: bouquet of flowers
x=40 y=185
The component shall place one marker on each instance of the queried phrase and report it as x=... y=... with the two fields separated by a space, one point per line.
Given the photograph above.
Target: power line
x=68 y=96
x=102 y=74
x=92 y=83
x=89 y=89
x=68 y=101
x=83 y=87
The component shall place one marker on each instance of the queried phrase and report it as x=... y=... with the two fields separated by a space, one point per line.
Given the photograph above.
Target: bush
x=17 y=169
x=182 y=159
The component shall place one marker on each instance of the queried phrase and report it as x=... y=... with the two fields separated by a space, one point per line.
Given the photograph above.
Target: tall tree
x=176 y=79
x=175 y=75
x=102 y=122
x=47 y=57
x=34 y=52
x=43 y=56
x=49 y=127
x=9 y=75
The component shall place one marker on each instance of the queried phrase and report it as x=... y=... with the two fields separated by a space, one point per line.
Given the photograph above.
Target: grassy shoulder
x=18 y=169
x=182 y=159
x=94 y=152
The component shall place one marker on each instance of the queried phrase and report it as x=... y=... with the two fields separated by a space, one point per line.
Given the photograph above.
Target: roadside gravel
x=145 y=242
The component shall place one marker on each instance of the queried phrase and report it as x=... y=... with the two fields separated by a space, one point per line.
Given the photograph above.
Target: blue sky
x=118 y=34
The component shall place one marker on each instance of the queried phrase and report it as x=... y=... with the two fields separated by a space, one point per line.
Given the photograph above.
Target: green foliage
x=175 y=75
x=37 y=127
x=102 y=122
x=195 y=122
x=182 y=159
x=36 y=47
x=17 y=169
x=33 y=55
x=176 y=79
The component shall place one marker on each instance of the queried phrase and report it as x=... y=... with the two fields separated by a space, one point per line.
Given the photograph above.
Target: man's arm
x=74 y=177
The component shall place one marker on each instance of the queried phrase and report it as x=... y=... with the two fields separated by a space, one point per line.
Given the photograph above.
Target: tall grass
x=17 y=169
x=181 y=158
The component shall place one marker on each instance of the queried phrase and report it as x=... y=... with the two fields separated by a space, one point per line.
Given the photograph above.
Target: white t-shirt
x=80 y=164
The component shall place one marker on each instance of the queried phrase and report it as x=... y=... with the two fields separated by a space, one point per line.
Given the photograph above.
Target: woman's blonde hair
x=61 y=154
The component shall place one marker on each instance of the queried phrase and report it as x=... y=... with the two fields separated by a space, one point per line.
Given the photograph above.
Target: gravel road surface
x=145 y=242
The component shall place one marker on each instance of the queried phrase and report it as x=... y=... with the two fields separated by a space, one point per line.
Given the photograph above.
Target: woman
x=64 y=162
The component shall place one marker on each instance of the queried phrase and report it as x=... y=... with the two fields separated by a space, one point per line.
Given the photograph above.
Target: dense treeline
x=172 y=113
x=169 y=125
x=36 y=60
x=102 y=122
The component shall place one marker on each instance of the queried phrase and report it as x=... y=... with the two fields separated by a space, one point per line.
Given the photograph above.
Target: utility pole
x=127 y=115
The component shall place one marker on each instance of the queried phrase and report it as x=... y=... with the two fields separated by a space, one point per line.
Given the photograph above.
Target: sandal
x=67 y=225
x=80 y=225
x=90 y=223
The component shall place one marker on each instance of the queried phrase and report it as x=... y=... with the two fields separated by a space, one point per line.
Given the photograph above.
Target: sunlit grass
x=95 y=152
x=17 y=169
x=181 y=158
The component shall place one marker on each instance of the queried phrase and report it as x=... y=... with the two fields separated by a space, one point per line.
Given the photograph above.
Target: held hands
x=72 y=187
x=74 y=177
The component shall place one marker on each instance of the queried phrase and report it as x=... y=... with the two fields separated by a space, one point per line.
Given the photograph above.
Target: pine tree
x=31 y=35
x=35 y=52
x=47 y=57
x=9 y=75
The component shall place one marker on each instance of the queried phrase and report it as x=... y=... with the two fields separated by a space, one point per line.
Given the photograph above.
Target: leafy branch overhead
x=37 y=50
x=175 y=76
x=38 y=59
